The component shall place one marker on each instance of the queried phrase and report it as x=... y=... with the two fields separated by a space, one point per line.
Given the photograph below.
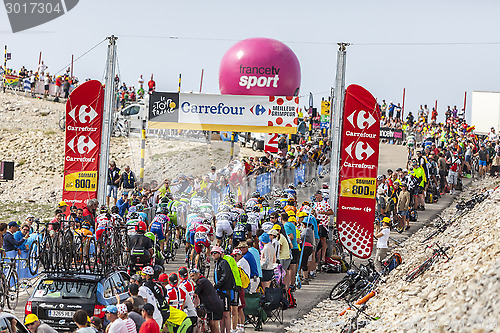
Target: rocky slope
x=30 y=136
x=461 y=295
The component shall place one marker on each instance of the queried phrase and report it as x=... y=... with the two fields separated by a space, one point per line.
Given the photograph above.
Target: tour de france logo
x=26 y=14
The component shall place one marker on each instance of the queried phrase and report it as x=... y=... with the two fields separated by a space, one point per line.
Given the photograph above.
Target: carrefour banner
x=83 y=142
x=223 y=112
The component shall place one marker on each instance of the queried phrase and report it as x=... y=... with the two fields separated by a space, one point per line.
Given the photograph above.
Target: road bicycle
x=436 y=254
x=170 y=247
x=354 y=282
x=9 y=284
x=354 y=323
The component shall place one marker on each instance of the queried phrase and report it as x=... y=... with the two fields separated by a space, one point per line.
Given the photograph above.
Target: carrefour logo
x=258 y=109
x=253 y=80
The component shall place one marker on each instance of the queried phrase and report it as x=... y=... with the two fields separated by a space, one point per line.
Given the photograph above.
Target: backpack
x=282 y=143
x=292 y=302
x=332 y=266
x=394 y=261
x=245 y=281
x=413 y=215
x=454 y=166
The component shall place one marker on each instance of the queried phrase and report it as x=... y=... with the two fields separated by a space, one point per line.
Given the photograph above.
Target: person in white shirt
x=493 y=136
x=41 y=70
x=141 y=81
x=245 y=266
x=382 y=235
x=116 y=324
x=149 y=297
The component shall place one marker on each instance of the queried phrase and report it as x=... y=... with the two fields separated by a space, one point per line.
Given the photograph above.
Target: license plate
x=61 y=314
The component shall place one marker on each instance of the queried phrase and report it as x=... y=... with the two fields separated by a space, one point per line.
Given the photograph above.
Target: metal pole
x=403 y=106
x=231 y=154
x=40 y=58
x=201 y=79
x=72 y=65
x=336 y=128
x=310 y=115
x=109 y=96
x=143 y=150
x=465 y=103
x=179 y=90
x=5 y=69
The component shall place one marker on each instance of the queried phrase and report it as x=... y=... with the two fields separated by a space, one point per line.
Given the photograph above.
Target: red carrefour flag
x=358 y=171
x=83 y=143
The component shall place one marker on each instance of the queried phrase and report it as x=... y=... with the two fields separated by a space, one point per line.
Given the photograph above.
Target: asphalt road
x=391 y=156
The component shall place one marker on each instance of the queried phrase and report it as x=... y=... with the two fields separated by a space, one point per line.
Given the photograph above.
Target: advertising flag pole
x=4 y=83
x=107 y=119
x=336 y=128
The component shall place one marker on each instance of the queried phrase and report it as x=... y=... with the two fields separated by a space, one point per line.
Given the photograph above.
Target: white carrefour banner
x=223 y=112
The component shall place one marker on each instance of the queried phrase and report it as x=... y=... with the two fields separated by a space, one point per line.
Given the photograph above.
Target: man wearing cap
x=148 y=295
x=116 y=323
x=267 y=260
x=224 y=284
x=35 y=326
x=245 y=266
x=10 y=244
x=207 y=294
x=290 y=229
x=150 y=325
x=113 y=182
x=62 y=206
x=382 y=235
x=419 y=173
x=123 y=204
x=323 y=213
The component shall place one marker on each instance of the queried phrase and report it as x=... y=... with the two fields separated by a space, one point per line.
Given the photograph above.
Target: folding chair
x=272 y=304
x=254 y=314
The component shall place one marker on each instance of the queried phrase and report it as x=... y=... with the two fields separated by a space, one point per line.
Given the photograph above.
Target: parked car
x=10 y=324
x=254 y=140
x=57 y=296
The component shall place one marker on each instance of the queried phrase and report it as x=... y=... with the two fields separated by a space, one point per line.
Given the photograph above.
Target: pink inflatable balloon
x=259 y=66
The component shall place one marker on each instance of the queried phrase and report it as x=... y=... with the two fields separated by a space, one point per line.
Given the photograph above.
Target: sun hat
x=216 y=249
x=277 y=226
x=236 y=251
x=111 y=309
x=273 y=232
x=148 y=270
x=31 y=318
x=302 y=214
x=264 y=238
x=122 y=308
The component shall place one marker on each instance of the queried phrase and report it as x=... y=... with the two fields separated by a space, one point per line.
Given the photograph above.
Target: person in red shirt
x=151 y=85
x=185 y=281
x=150 y=325
x=58 y=87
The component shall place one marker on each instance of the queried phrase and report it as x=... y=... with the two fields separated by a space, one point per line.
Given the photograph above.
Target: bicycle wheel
x=77 y=254
x=67 y=249
x=91 y=255
x=418 y=271
x=340 y=289
x=46 y=253
x=13 y=288
x=3 y=294
x=33 y=258
x=62 y=123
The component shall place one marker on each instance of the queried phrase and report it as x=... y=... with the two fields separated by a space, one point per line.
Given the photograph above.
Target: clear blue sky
x=206 y=29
